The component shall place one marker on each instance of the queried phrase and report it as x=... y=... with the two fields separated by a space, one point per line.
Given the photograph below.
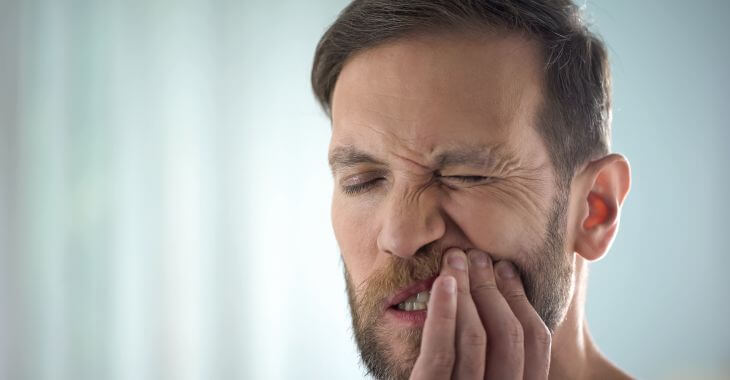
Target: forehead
x=422 y=93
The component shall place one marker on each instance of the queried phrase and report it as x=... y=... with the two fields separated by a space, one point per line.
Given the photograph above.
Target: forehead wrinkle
x=495 y=156
x=403 y=142
x=424 y=167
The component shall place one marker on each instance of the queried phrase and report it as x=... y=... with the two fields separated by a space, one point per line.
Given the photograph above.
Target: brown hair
x=576 y=109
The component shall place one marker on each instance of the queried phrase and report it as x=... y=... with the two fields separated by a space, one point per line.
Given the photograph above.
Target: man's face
x=435 y=145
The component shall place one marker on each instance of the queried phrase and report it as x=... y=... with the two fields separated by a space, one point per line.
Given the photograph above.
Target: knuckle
x=474 y=338
x=483 y=287
x=446 y=317
x=441 y=361
x=515 y=334
x=514 y=295
x=541 y=335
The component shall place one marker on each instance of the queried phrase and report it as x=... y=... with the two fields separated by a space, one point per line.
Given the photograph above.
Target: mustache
x=399 y=273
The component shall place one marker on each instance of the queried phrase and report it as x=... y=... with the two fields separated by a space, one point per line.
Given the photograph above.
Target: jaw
x=395 y=352
x=388 y=348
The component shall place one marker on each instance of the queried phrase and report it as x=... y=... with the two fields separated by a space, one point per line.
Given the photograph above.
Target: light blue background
x=164 y=195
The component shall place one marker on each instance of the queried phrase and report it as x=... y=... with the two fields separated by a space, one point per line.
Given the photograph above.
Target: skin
x=403 y=113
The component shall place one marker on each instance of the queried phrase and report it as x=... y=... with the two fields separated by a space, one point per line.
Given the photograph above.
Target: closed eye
x=360 y=187
x=466 y=179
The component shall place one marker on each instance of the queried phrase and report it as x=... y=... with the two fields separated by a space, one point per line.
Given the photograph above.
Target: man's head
x=470 y=124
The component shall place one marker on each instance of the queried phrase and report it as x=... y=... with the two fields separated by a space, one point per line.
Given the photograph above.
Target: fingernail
x=456 y=260
x=449 y=284
x=478 y=258
x=506 y=270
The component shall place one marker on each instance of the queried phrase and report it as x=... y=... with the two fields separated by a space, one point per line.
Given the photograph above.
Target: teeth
x=415 y=302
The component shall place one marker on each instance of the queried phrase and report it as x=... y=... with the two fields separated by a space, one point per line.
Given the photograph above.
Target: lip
x=403 y=318
x=408 y=291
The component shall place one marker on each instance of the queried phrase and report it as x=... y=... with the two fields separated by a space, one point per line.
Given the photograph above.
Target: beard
x=387 y=353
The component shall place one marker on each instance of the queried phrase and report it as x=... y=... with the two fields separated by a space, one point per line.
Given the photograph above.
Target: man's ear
x=601 y=188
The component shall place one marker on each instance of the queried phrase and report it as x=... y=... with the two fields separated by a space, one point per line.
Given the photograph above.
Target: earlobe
x=605 y=184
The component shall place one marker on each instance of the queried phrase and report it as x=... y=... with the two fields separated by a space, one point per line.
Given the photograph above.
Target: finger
x=437 y=356
x=505 y=354
x=536 y=334
x=471 y=338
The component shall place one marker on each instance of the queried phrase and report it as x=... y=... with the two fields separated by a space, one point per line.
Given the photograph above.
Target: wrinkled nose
x=409 y=223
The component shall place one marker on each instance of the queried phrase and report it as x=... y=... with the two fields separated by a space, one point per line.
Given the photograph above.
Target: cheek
x=356 y=238
x=493 y=226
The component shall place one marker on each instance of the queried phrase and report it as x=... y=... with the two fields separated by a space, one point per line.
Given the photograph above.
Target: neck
x=574 y=354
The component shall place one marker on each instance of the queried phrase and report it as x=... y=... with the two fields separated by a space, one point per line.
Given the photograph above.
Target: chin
x=405 y=347
x=390 y=352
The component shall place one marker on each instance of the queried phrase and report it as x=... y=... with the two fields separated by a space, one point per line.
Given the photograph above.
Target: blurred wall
x=660 y=301
x=164 y=194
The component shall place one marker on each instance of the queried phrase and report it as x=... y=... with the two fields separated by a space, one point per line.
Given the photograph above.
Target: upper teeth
x=415 y=302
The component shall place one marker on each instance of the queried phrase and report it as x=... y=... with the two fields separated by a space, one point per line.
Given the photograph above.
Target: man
x=473 y=184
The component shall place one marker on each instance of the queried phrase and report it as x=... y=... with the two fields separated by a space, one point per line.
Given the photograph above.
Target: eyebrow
x=348 y=156
x=476 y=156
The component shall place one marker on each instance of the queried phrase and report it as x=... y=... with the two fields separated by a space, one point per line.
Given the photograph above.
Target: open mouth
x=412 y=298
x=415 y=302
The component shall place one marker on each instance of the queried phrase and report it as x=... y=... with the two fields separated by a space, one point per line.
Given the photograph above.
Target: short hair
x=575 y=114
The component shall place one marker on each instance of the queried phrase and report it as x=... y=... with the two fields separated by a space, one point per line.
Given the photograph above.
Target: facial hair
x=546 y=273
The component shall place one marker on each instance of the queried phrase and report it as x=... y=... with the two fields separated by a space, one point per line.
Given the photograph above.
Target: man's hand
x=480 y=324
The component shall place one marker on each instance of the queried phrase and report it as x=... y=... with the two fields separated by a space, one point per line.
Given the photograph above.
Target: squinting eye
x=360 y=187
x=468 y=179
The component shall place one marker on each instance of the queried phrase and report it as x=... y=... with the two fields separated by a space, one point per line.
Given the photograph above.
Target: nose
x=409 y=223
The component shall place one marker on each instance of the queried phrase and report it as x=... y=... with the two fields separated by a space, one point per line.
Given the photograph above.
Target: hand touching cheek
x=485 y=327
